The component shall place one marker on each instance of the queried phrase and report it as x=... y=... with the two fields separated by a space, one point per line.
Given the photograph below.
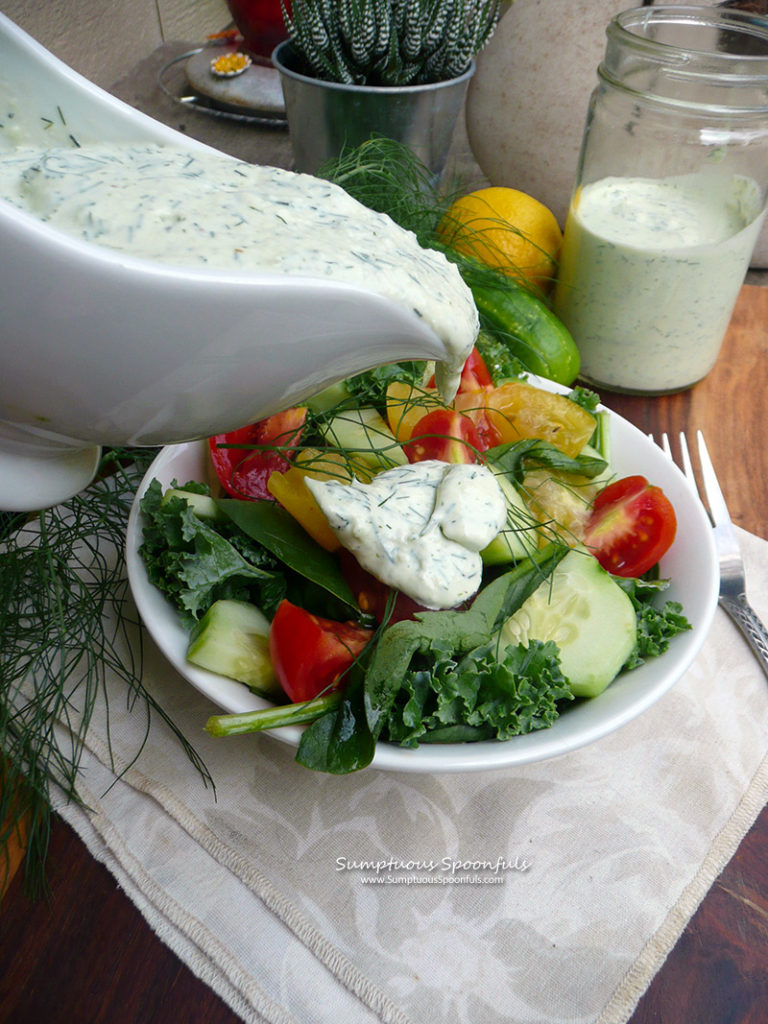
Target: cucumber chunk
x=607 y=475
x=328 y=398
x=364 y=434
x=232 y=639
x=588 y=616
x=202 y=505
x=519 y=538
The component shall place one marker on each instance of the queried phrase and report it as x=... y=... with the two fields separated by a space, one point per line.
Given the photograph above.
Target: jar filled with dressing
x=670 y=196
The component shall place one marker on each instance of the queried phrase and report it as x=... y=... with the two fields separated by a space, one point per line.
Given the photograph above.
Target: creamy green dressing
x=649 y=274
x=206 y=211
x=419 y=528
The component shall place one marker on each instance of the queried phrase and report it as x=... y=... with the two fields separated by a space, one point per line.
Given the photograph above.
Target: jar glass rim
x=633 y=28
x=687 y=57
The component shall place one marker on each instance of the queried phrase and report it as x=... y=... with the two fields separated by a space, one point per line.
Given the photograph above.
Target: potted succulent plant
x=351 y=69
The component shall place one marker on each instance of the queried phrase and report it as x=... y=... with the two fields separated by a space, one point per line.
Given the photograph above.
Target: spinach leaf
x=276 y=529
x=519 y=457
x=339 y=742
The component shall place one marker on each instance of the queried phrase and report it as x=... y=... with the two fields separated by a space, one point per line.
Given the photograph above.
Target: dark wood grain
x=730 y=406
x=89 y=956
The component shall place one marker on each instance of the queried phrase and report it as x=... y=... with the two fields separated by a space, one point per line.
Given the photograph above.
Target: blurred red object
x=260 y=23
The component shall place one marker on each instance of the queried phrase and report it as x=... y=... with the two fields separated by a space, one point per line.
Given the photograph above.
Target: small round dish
x=691 y=564
x=230 y=65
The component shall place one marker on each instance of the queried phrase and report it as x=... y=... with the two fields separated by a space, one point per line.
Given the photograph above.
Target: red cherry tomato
x=474 y=375
x=443 y=434
x=631 y=526
x=243 y=473
x=474 y=404
x=373 y=596
x=310 y=653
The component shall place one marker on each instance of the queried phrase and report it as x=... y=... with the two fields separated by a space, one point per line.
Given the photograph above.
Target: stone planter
x=326 y=117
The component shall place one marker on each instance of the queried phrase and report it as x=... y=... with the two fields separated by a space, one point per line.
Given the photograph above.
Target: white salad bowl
x=101 y=348
x=690 y=564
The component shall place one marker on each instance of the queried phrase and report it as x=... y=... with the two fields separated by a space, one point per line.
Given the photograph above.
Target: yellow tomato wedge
x=561 y=502
x=406 y=405
x=519 y=410
x=293 y=494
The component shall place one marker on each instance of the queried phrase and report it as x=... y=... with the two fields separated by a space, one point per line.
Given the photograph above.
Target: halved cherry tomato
x=409 y=403
x=243 y=473
x=309 y=653
x=474 y=375
x=475 y=405
x=373 y=596
x=446 y=435
x=406 y=405
x=631 y=526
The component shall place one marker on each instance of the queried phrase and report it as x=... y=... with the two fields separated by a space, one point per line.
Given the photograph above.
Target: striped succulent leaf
x=390 y=42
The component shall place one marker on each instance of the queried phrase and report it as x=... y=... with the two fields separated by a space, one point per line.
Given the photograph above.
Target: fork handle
x=746 y=619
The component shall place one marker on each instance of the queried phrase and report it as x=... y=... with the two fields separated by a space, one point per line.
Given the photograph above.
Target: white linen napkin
x=556 y=889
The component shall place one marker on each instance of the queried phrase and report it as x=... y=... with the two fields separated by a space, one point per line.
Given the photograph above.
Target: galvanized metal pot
x=326 y=117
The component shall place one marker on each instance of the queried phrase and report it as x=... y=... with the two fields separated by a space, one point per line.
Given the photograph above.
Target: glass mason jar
x=669 y=198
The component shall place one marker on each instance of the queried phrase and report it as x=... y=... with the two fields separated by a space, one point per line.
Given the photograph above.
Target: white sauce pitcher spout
x=104 y=347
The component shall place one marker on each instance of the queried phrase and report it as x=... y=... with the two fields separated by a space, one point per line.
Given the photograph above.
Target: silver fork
x=733 y=587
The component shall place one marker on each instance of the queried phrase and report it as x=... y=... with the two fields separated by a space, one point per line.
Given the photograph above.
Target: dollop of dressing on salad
x=206 y=210
x=419 y=528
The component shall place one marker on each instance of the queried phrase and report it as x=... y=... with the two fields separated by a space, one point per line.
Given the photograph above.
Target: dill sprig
x=386 y=176
x=65 y=625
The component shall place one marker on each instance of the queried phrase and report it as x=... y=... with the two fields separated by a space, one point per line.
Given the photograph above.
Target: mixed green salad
x=261 y=570
x=384 y=567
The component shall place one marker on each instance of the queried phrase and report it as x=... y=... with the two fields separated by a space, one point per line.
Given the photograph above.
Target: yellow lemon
x=506 y=229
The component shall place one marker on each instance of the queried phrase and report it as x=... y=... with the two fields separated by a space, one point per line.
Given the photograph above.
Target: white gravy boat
x=97 y=348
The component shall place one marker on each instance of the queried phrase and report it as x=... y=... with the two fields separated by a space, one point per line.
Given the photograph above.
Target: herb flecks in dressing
x=649 y=274
x=419 y=528
x=206 y=210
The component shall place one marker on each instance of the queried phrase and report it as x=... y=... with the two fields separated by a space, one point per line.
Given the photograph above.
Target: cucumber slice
x=588 y=616
x=366 y=437
x=232 y=639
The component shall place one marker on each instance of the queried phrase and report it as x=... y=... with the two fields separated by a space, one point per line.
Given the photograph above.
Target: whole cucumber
x=529 y=328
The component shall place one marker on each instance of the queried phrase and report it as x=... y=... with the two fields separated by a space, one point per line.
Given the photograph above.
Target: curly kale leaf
x=656 y=626
x=585 y=397
x=478 y=696
x=195 y=563
x=440 y=677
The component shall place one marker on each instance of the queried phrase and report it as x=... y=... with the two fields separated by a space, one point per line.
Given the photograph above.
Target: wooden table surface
x=89 y=956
